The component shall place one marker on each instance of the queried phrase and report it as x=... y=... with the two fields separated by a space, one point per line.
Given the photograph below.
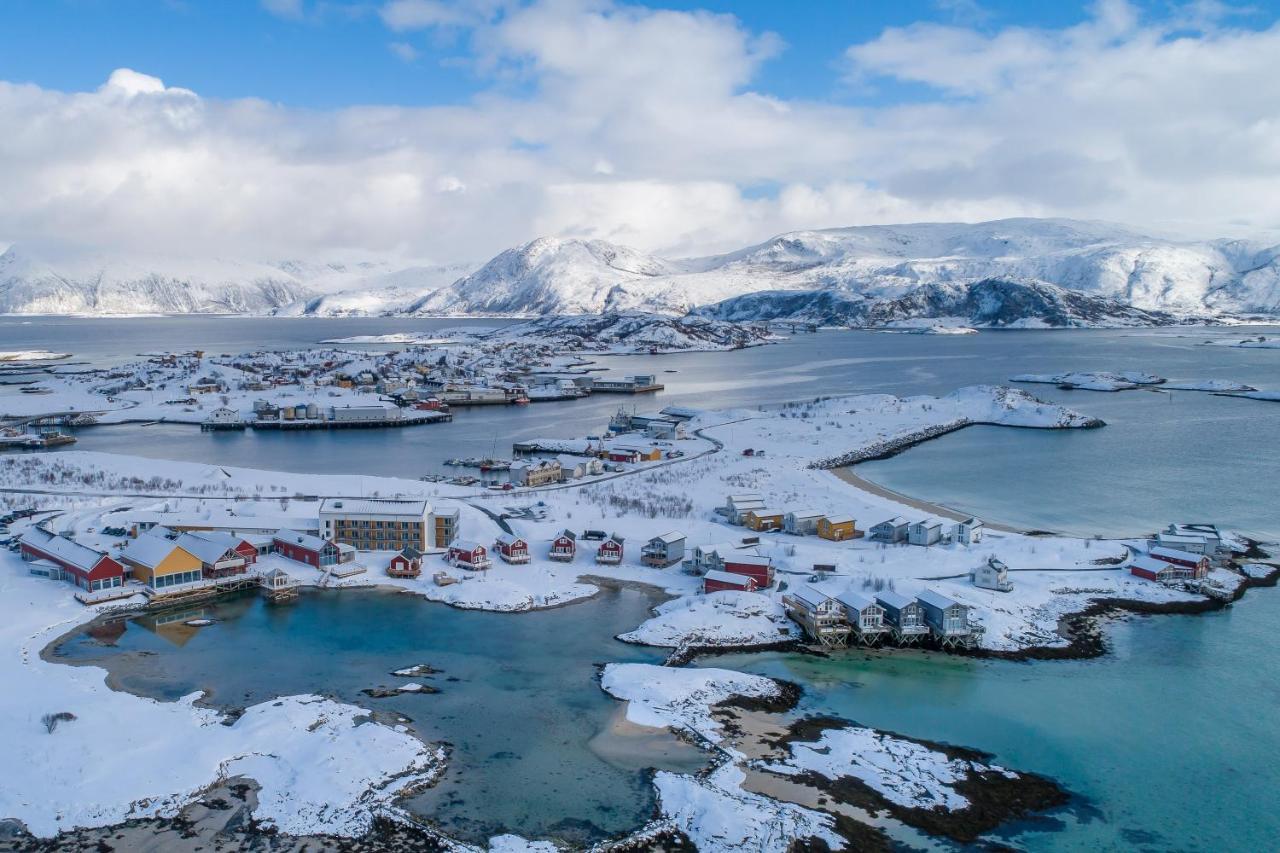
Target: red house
x=83 y=566
x=512 y=549
x=1158 y=570
x=564 y=547
x=623 y=455
x=610 y=551
x=759 y=569
x=718 y=581
x=406 y=564
x=305 y=548
x=1197 y=563
x=469 y=555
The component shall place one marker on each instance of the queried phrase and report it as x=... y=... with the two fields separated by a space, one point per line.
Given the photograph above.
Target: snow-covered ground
x=1093 y=381
x=32 y=355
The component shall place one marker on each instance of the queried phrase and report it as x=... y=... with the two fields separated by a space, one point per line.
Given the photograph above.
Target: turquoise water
x=1169 y=742
x=519 y=702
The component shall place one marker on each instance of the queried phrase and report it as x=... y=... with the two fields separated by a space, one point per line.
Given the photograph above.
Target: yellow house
x=837 y=528
x=159 y=563
x=763 y=519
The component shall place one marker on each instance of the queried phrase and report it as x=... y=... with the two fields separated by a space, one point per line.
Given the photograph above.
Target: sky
x=447 y=130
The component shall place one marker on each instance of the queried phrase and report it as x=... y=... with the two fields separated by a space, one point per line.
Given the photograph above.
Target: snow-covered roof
x=465 y=545
x=72 y=553
x=208 y=548
x=1200 y=539
x=896 y=600
x=936 y=599
x=728 y=577
x=150 y=551
x=806 y=513
x=896 y=521
x=764 y=512
x=508 y=539
x=366 y=506
x=854 y=600
x=807 y=595
x=1151 y=564
x=1175 y=554
x=746 y=496
x=306 y=540
x=745 y=560
x=973 y=521
x=840 y=519
x=929 y=522
x=669 y=538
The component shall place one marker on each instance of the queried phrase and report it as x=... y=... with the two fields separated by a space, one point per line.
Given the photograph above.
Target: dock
x=320 y=423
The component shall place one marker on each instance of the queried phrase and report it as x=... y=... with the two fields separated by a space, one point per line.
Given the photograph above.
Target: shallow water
x=1169 y=741
x=532 y=733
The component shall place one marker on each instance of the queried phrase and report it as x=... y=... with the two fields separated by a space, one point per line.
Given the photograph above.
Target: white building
x=364 y=414
x=802 y=522
x=968 y=532
x=926 y=531
x=992 y=574
x=891 y=530
x=377 y=525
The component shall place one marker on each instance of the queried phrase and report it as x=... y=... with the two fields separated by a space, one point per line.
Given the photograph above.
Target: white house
x=926 y=531
x=968 y=532
x=993 y=574
x=802 y=522
x=892 y=530
x=736 y=505
x=572 y=467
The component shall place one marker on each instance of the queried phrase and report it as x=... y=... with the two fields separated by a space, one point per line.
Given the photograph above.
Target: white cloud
x=403 y=50
x=642 y=126
x=283 y=8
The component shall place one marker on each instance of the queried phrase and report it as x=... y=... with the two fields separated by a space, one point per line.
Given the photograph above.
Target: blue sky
x=447 y=130
x=337 y=54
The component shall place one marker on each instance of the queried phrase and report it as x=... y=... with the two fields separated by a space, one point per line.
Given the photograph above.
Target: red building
x=83 y=566
x=564 y=547
x=469 y=555
x=406 y=564
x=759 y=569
x=718 y=581
x=1158 y=570
x=305 y=548
x=1197 y=563
x=512 y=549
x=610 y=551
x=623 y=455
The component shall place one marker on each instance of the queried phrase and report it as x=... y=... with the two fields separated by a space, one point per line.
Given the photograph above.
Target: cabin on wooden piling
x=406 y=564
x=864 y=615
x=903 y=616
x=820 y=616
x=948 y=620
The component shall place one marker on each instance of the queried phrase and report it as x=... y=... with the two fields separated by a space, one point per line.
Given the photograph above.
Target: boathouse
x=564 y=547
x=610 y=550
x=511 y=548
x=759 y=568
x=1197 y=564
x=717 y=581
x=305 y=548
x=468 y=555
x=837 y=528
x=892 y=530
x=926 y=531
x=802 y=522
x=864 y=615
x=83 y=566
x=904 y=617
x=819 y=615
x=662 y=551
x=406 y=564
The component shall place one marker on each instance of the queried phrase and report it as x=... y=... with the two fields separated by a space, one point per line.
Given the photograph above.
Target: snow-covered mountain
x=1061 y=272
x=33 y=282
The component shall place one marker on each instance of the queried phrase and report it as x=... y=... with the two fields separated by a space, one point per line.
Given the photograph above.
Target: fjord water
x=530 y=730
x=1168 y=742
x=1163 y=455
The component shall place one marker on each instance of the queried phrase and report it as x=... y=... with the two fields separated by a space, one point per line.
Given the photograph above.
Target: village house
x=406 y=564
x=763 y=519
x=468 y=555
x=610 y=551
x=1192 y=543
x=968 y=532
x=993 y=574
x=927 y=531
x=313 y=551
x=219 y=553
x=708 y=557
x=802 y=522
x=892 y=530
x=904 y=617
x=737 y=505
x=620 y=454
x=69 y=560
x=512 y=549
x=820 y=616
x=376 y=524
x=759 y=568
x=864 y=615
x=717 y=581
x=542 y=472
x=1197 y=564
x=1208 y=533
x=161 y=564
x=564 y=547
x=572 y=467
x=837 y=528
x=1144 y=566
x=948 y=620
x=662 y=551
x=639 y=454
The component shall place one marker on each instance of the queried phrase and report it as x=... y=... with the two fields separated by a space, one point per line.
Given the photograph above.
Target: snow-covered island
x=1129 y=381
x=751 y=496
